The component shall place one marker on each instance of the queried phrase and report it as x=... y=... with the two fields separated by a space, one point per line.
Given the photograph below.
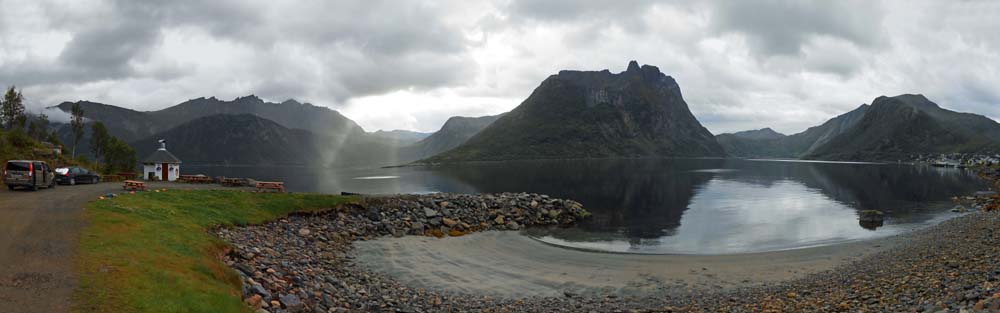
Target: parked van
x=28 y=173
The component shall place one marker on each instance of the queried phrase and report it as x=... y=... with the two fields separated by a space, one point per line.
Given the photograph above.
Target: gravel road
x=39 y=232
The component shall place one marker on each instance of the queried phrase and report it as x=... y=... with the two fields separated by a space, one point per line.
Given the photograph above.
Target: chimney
x=163 y=144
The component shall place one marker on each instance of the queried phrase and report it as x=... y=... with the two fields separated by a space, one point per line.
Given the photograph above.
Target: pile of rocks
x=301 y=263
x=457 y=214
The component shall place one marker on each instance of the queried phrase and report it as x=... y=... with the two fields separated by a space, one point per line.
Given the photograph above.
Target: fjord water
x=691 y=206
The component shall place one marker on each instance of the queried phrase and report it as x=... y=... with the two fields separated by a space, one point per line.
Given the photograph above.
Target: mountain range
x=890 y=129
x=639 y=112
x=248 y=131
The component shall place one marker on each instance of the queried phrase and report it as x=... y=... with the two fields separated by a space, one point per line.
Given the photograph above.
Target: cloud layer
x=412 y=64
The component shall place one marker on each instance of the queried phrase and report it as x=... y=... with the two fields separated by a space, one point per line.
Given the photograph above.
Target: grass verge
x=152 y=252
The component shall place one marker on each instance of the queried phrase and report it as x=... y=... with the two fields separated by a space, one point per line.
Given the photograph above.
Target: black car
x=75 y=175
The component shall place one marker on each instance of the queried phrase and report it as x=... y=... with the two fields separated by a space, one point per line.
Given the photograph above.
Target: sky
x=410 y=65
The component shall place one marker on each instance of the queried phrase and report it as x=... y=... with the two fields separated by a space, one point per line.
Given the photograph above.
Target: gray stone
x=291 y=302
x=428 y=212
x=417 y=226
x=554 y=213
x=258 y=289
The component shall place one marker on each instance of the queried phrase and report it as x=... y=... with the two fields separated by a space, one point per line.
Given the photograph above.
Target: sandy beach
x=510 y=264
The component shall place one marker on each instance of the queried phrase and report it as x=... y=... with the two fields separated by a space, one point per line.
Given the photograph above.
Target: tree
x=12 y=109
x=118 y=156
x=38 y=128
x=53 y=137
x=77 y=124
x=99 y=139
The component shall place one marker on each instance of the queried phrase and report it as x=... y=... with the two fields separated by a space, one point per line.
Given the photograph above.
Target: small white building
x=161 y=165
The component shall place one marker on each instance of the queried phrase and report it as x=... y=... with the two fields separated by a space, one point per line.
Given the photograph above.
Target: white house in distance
x=161 y=165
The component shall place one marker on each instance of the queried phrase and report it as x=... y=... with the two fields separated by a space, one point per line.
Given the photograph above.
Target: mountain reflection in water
x=680 y=205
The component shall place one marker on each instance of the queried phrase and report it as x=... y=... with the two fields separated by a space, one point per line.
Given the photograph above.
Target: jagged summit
x=633 y=66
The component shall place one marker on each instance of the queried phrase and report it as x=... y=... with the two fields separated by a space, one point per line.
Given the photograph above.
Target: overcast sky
x=412 y=64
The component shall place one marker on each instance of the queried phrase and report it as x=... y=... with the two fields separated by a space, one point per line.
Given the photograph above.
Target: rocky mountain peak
x=250 y=98
x=633 y=66
x=917 y=101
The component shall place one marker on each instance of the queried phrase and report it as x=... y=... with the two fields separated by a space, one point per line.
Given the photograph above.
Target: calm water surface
x=699 y=206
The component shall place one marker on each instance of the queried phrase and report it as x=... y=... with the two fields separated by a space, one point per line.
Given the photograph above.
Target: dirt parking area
x=39 y=232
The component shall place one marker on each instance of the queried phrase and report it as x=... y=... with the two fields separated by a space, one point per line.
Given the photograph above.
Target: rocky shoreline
x=303 y=263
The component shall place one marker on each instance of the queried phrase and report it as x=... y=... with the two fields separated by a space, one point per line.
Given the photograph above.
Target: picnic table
x=233 y=182
x=271 y=185
x=134 y=185
x=198 y=179
x=112 y=178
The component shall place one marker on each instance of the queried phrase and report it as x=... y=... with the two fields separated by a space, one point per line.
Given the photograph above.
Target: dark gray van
x=28 y=173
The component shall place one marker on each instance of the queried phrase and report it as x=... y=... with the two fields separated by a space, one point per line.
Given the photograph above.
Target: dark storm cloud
x=742 y=64
x=366 y=46
x=782 y=27
x=105 y=51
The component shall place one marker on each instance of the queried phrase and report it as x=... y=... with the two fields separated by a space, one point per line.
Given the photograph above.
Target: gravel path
x=305 y=263
x=39 y=231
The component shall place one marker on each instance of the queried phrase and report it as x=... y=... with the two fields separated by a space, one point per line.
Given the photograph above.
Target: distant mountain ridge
x=896 y=127
x=456 y=131
x=890 y=129
x=132 y=125
x=763 y=133
x=234 y=139
x=321 y=136
x=400 y=137
x=594 y=114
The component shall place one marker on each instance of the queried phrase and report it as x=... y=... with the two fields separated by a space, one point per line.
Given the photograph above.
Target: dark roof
x=161 y=156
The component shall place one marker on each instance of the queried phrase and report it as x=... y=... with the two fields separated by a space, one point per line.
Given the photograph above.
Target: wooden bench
x=128 y=175
x=134 y=185
x=270 y=185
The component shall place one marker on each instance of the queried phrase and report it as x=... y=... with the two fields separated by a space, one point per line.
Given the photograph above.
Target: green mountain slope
x=896 y=127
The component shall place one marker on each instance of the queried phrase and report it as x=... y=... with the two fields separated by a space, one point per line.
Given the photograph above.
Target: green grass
x=153 y=252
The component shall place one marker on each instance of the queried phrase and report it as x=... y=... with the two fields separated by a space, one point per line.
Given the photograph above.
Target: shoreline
x=512 y=265
x=344 y=261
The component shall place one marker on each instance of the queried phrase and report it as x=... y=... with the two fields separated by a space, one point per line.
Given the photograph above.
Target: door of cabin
x=165 y=173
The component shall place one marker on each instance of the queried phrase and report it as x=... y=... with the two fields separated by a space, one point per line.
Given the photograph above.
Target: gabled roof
x=161 y=156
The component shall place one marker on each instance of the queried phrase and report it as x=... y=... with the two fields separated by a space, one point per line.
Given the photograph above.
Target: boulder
x=871 y=216
x=429 y=213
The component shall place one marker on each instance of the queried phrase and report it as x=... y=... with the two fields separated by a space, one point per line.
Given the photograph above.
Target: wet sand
x=508 y=264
